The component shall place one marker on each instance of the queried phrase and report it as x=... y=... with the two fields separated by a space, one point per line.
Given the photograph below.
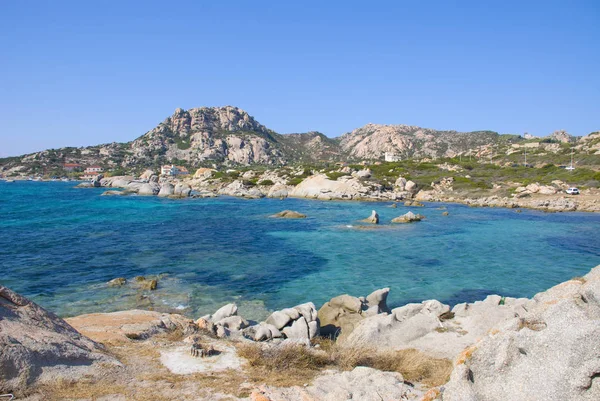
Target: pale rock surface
x=223 y=312
x=321 y=187
x=147 y=174
x=298 y=330
x=150 y=188
x=179 y=361
x=38 y=346
x=400 y=184
x=166 y=189
x=365 y=173
x=182 y=190
x=124 y=326
x=411 y=187
x=343 y=313
x=298 y=324
x=372 y=219
x=409 y=217
x=279 y=191
x=238 y=189
x=428 y=326
x=362 y=383
x=550 y=351
x=289 y=214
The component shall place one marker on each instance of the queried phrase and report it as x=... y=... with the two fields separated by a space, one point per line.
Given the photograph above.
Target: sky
x=77 y=73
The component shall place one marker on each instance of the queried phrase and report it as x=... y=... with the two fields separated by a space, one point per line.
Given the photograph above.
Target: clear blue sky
x=76 y=73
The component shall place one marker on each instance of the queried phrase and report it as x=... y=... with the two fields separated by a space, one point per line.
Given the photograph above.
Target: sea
x=60 y=245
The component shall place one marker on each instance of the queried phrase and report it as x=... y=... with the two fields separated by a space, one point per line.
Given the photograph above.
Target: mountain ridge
x=230 y=136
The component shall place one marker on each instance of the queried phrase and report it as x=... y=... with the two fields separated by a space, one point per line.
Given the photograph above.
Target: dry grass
x=285 y=366
x=414 y=365
x=292 y=364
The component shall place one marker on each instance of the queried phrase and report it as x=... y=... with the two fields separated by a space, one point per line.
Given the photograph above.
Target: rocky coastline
x=354 y=186
x=543 y=348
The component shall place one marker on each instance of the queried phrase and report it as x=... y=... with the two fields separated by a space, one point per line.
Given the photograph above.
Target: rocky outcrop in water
x=289 y=214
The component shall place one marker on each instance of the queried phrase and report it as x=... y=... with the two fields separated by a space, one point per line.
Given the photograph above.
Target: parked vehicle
x=573 y=191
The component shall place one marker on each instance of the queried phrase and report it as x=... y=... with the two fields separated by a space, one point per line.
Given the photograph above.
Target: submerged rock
x=289 y=214
x=117 y=282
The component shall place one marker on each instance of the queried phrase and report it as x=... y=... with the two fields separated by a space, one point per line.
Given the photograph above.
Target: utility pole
x=525 y=157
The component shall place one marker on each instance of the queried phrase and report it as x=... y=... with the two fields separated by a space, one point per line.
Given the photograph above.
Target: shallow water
x=60 y=245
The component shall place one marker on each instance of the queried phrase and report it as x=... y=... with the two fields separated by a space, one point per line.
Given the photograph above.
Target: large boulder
x=278 y=191
x=298 y=324
x=149 y=188
x=400 y=184
x=321 y=187
x=37 y=346
x=182 y=190
x=118 y=181
x=166 y=189
x=432 y=328
x=549 y=351
x=342 y=314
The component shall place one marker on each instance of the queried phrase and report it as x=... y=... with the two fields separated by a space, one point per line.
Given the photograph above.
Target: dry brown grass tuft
x=292 y=364
x=287 y=365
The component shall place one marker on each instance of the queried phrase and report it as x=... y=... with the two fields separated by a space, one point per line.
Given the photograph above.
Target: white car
x=573 y=191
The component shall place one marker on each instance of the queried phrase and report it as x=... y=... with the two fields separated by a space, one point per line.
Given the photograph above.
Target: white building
x=93 y=169
x=173 y=170
x=391 y=157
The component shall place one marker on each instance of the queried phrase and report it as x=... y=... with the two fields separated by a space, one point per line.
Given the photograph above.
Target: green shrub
x=266 y=182
x=295 y=181
x=334 y=175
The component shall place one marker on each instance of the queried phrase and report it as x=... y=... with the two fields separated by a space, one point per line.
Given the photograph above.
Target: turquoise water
x=60 y=245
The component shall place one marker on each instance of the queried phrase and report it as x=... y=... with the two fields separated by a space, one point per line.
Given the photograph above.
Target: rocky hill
x=372 y=140
x=229 y=136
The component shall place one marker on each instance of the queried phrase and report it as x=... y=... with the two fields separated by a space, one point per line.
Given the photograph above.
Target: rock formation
x=37 y=346
x=372 y=219
x=409 y=217
x=289 y=214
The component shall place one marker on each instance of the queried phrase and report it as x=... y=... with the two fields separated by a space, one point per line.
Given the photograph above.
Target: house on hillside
x=172 y=170
x=93 y=169
x=71 y=166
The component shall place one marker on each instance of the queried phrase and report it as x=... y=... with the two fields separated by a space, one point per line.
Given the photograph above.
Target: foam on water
x=60 y=245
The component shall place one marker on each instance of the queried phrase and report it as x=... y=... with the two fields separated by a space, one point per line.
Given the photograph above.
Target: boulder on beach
x=409 y=217
x=38 y=346
x=373 y=218
x=288 y=214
